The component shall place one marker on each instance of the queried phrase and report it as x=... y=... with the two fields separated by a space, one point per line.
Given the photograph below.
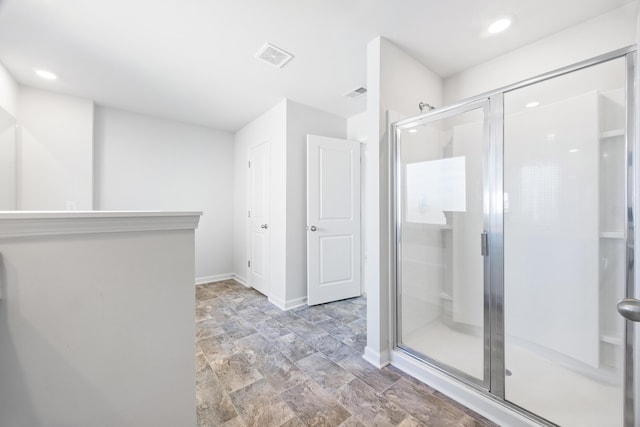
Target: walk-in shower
x=513 y=223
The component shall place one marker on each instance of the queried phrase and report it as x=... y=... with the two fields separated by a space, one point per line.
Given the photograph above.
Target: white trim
x=241 y=280
x=216 y=278
x=460 y=392
x=376 y=359
x=32 y=224
x=287 y=305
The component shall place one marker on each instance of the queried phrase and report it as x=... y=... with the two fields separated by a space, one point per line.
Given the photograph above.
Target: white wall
x=600 y=35
x=357 y=127
x=552 y=220
x=146 y=163
x=357 y=130
x=285 y=126
x=270 y=126
x=396 y=82
x=301 y=121
x=7 y=161
x=97 y=329
x=8 y=107
x=55 y=151
x=8 y=92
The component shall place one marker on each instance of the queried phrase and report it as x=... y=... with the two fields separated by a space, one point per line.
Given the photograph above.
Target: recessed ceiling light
x=499 y=26
x=532 y=104
x=413 y=130
x=45 y=74
x=575 y=150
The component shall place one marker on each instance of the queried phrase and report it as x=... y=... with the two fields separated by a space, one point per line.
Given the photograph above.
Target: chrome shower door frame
x=396 y=215
x=493 y=386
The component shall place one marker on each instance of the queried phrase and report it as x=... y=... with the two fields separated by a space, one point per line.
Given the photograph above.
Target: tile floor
x=259 y=366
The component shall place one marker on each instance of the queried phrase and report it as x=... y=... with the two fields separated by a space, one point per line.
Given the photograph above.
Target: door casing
x=258 y=221
x=335 y=223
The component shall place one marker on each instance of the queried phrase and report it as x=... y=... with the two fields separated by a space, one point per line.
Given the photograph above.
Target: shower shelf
x=612 y=234
x=611 y=133
x=611 y=340
x=429 y=227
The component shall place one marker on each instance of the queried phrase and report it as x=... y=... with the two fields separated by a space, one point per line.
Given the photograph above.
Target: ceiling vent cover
x=356 y=93
x=274 y=55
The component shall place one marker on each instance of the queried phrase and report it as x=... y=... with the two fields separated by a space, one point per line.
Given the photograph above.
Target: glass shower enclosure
x=513 y=223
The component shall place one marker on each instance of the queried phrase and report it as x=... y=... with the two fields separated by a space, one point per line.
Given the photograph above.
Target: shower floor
x=550 y=390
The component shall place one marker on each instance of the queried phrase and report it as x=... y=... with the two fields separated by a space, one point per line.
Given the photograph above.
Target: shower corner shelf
x=612 y=235
x=443 y=227
x=611 y=133
x=611 y=339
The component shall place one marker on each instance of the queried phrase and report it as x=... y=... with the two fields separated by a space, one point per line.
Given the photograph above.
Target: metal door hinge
x=249 y=263
x=249 y=163
x=484 y=244
x=248 y=214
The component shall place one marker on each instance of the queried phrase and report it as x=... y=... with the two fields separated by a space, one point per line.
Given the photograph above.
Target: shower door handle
x=630 y=309
x=484 y=243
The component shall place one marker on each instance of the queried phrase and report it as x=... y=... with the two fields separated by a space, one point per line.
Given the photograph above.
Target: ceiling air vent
x=274 y=55
x=356 y=93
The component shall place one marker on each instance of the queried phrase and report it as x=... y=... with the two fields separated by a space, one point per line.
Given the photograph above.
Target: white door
x=333 y=219
x=258 y=217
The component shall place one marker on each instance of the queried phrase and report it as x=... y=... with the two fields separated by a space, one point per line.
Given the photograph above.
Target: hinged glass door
x=442 y=244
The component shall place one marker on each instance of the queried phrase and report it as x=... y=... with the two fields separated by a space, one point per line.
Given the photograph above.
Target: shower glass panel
x=440 y=217
x=564 y=246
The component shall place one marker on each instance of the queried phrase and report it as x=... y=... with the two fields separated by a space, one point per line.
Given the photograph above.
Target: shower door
x=514 y=243
x=441 y=214
x=565 y=241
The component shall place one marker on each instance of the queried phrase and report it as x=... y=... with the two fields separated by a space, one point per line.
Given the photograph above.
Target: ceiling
x=193 y=60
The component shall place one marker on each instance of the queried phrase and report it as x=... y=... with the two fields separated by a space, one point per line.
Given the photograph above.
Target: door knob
x=313 y=228
x=630 y=309
x=265 y=226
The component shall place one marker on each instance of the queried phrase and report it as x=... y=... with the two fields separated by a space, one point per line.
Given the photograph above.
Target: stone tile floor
x=260 y=366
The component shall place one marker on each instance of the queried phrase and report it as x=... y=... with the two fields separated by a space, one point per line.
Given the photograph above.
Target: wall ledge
x=21 y=224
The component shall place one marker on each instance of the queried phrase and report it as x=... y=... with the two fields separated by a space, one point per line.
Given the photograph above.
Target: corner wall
x=55 y=151
x=8 y=92
x=302 y=120
x=138 y=162
x=605 y=33
x=396 y=82
x=8 y=107
x=270 y=126
x=285 y=126
x=148 y=163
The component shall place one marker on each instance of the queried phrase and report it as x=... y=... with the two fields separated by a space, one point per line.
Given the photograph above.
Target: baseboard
x=243 y=281
x=215 y=278
x=375 y=358
x=287 y=305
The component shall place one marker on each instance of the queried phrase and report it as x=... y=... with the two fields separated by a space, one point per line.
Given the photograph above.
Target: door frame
x=250 y=189
x=441 y=114
x=494 y=214
x=320 y=142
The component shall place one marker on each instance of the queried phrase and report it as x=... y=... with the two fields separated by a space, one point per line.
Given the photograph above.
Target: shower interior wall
x=438 y=282
x=398 y=82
